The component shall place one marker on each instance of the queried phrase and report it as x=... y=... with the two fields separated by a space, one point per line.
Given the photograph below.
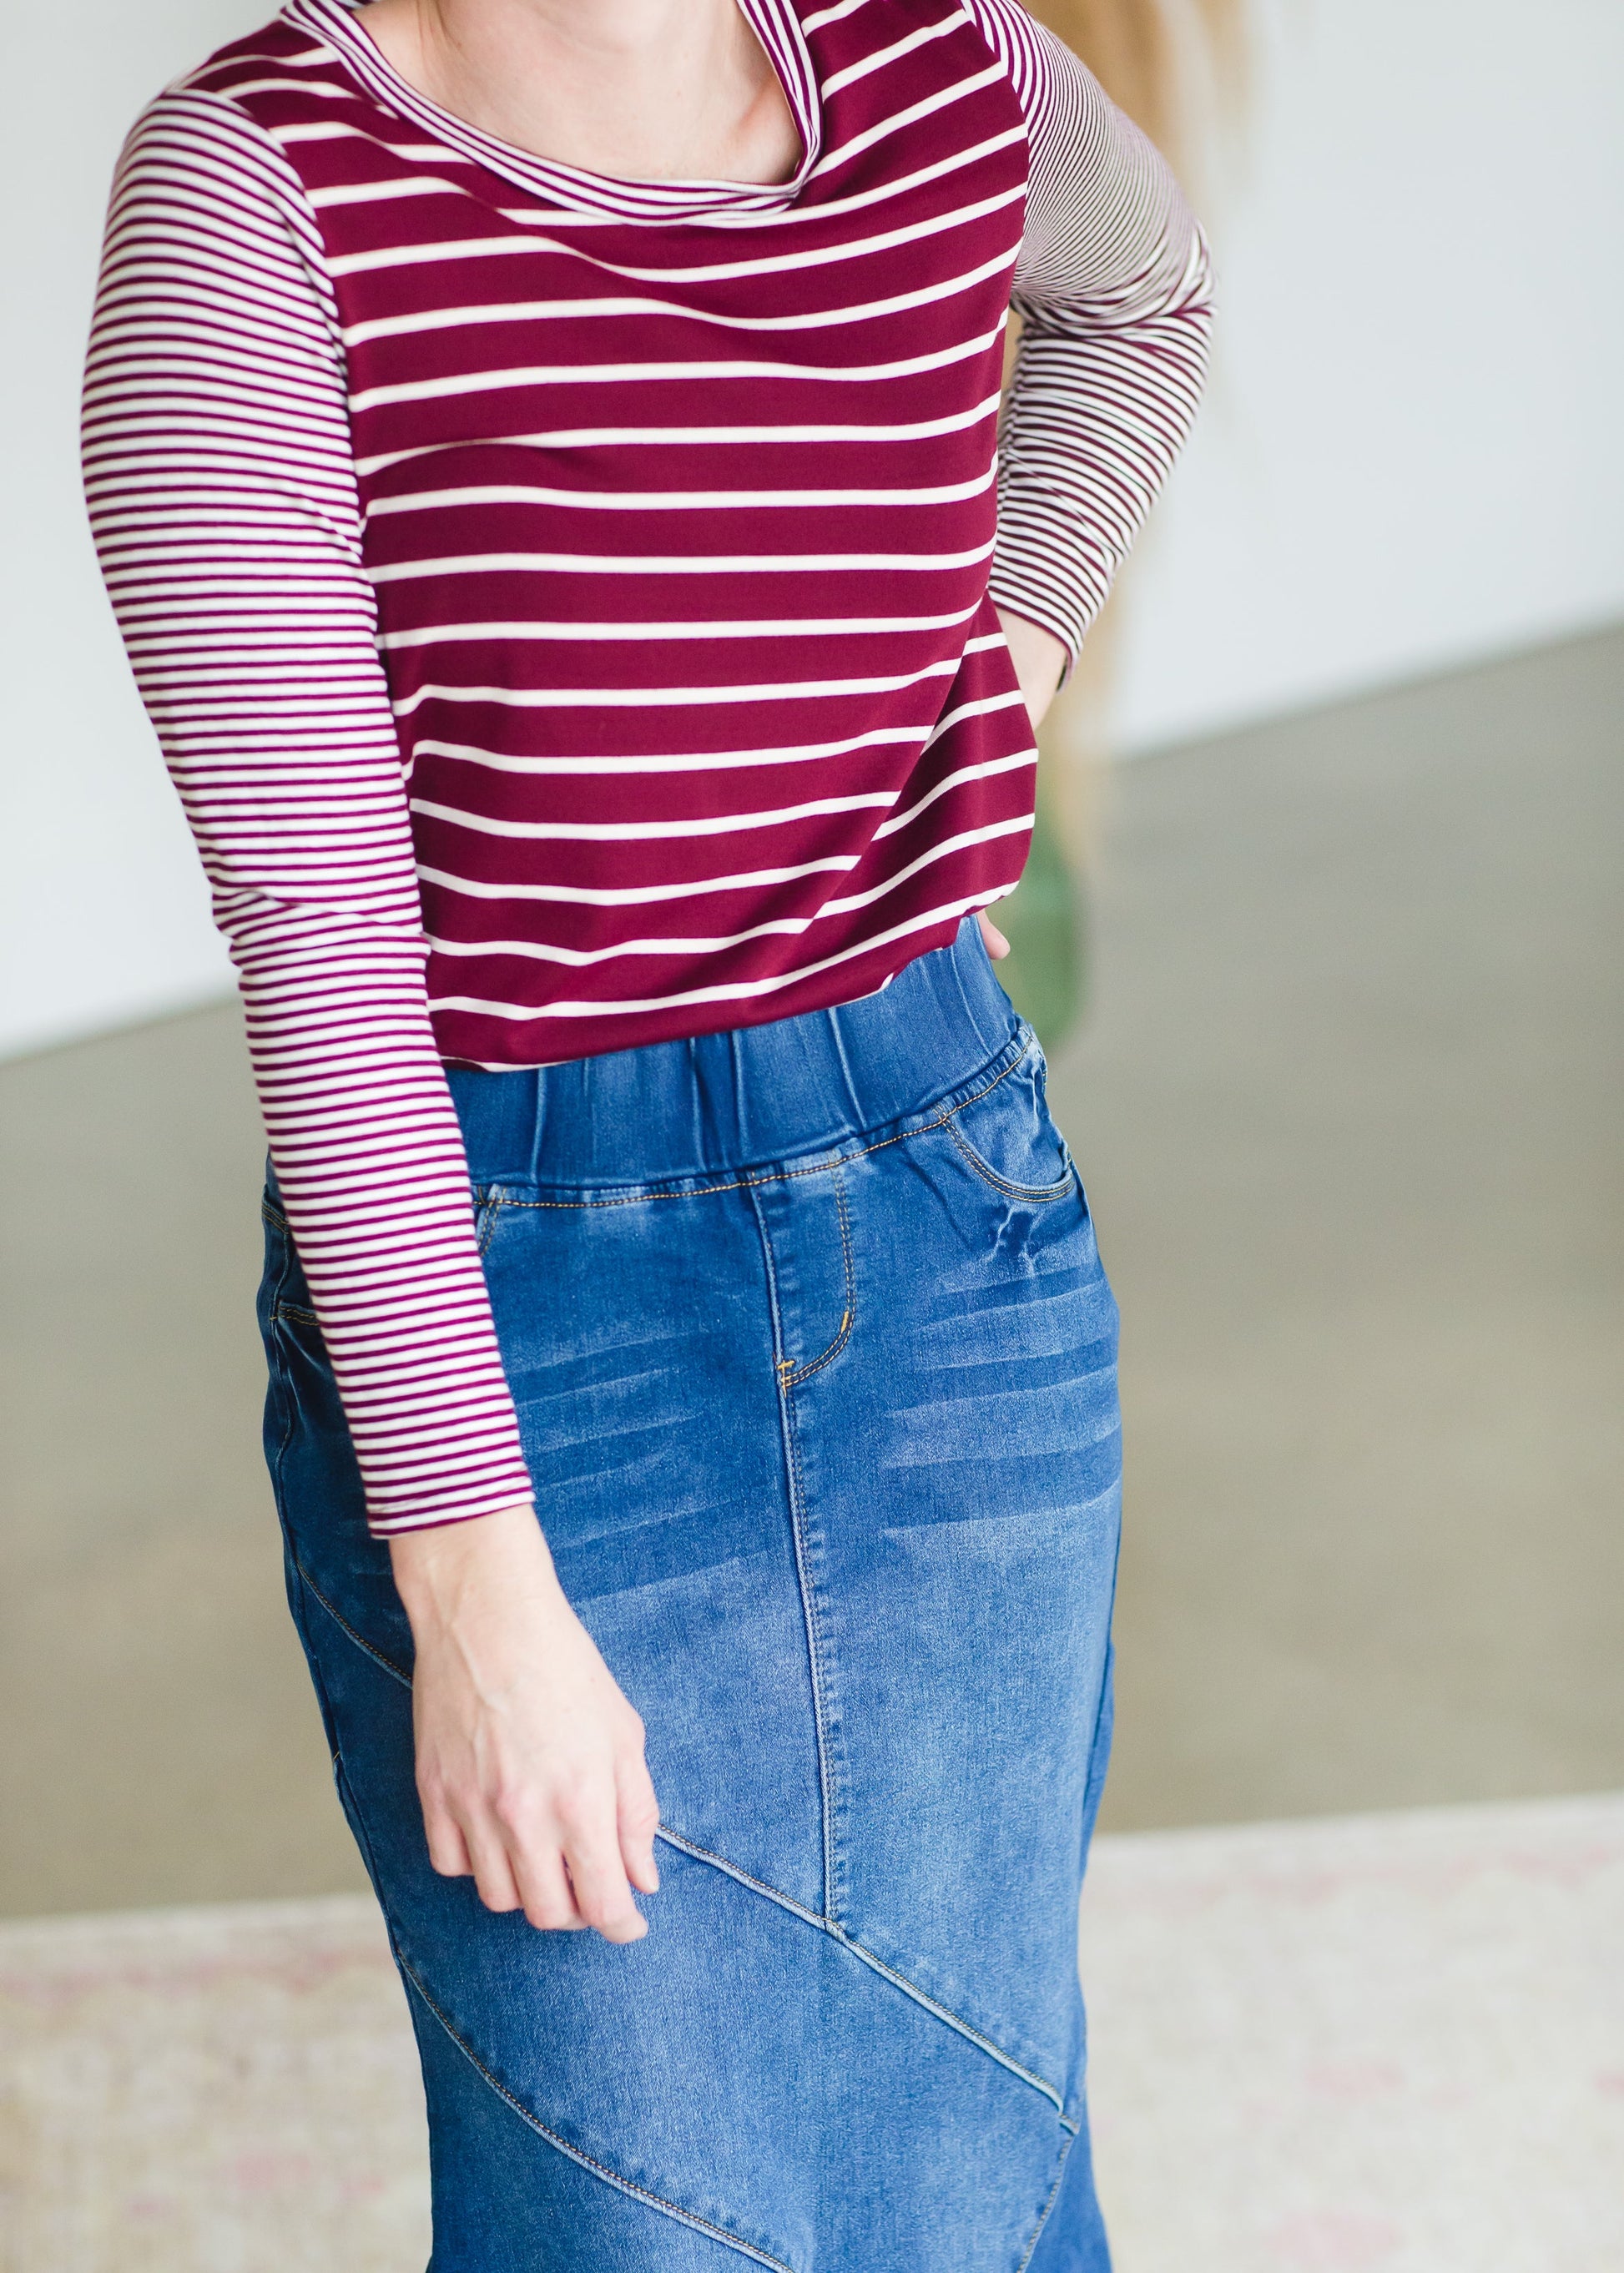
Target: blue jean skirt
x=816 y=1365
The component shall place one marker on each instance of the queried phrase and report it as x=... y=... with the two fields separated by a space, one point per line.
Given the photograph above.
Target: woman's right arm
x=222 y=498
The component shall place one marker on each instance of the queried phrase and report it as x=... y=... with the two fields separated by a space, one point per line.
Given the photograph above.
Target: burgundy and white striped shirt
x=566 y=604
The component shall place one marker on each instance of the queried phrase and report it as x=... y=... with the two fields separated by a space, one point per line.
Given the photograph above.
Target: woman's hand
x=529 y=1759
x=1039 y=660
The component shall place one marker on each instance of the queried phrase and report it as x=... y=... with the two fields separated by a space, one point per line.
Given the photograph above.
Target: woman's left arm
x=1113 y=287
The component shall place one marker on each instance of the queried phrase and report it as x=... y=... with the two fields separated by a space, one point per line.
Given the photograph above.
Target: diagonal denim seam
x=1054 y=2197
x=691 y=1847
x=344 y=1626
x=952 y=2020
x=829 y=1925
x=866 y=1956
x=578 y=2155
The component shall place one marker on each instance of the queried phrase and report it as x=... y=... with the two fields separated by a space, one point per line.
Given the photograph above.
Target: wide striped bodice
x=564 y=601
x=680 y=526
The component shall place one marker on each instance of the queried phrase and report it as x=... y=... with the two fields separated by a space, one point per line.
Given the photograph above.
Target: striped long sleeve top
x=568 y=607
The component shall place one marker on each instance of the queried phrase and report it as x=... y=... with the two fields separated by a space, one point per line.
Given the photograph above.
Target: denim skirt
x=816 y=1365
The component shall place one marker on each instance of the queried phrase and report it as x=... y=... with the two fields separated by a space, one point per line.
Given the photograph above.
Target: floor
x=1350 y=1107
x=1386 y=2043
x=1347 y=1098
x=1393 y=2044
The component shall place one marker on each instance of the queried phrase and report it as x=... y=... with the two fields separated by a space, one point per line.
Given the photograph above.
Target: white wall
x=104 y=916
x=1412 y=454
x=1413 y=450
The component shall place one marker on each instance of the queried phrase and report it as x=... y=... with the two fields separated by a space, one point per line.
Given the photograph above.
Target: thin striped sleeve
x=222 y=497
x=1114 y=289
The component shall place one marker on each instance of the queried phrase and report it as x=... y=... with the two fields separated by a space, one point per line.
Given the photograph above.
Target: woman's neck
x=651 y=90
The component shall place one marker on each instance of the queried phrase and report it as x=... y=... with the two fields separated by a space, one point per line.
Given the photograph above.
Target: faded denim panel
x=964 y=1465
x=643 y=1377
x=815 y=1364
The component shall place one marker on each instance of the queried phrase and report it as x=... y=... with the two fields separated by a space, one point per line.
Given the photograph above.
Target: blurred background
x=1323 y=933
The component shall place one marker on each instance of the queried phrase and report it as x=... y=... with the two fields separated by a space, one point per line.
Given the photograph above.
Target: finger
x=998 y=945
x=492 y=1872
x=544 y=1886
x=592 y=1857
x=637 y=1814
x=448 y=1847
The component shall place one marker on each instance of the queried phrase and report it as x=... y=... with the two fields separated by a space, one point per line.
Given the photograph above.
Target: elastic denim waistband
x=748 y=1096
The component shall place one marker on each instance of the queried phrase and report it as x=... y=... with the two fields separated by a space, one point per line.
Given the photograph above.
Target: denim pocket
x=1008 y=1139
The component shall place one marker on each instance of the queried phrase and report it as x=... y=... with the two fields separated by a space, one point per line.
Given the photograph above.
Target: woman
x=541 y=453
